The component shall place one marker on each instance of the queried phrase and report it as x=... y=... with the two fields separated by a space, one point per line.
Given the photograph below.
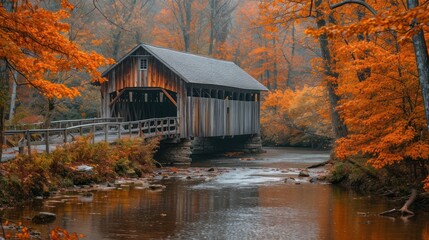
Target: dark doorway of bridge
x=133 y=104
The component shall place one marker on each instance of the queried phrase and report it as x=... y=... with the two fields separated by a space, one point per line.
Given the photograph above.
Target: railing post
x=119 y=131
x=65 y=135
x=140 y=129
x=106 y=131
x=156 y=126
x=47 y=141
x=129 y=128
x=28 y=137
x=168 y=125
x=162 y=126
x=93 y=133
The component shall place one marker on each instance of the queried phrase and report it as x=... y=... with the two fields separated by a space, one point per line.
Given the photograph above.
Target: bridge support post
x=212 y=145
x=174 y=151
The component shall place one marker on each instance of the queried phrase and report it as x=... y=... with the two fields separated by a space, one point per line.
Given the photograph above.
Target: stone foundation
x=246 y=144
x=174 y=152
x=181 y=151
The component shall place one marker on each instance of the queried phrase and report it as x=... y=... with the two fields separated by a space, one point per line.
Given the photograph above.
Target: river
x=249 y=200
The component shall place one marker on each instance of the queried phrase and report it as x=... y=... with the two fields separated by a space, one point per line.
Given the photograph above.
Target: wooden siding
x=210 y=117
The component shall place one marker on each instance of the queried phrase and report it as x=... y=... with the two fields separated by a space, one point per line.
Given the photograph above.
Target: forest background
x=340 y=75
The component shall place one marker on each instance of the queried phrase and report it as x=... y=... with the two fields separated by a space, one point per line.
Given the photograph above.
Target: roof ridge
x=187 y=53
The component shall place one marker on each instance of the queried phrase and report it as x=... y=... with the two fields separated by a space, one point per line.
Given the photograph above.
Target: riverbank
x=392 y=183
x=80 y=163
x=230 y=197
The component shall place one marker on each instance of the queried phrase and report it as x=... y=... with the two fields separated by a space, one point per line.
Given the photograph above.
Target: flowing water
x=248 y=201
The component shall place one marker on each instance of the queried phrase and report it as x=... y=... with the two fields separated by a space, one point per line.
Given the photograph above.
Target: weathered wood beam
x=169 y=97
x=116 y=98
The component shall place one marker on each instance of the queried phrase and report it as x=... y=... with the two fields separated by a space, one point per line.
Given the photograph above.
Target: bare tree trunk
x=4 y=82
x=292 y=55
x=186 y=18
x=404 y=209
x=13 y=98
x=116 y=44
x=213 y=7
x=4 y=93
x=275 y=65
x=49 y=113
x=340 y=129
x=422 y=61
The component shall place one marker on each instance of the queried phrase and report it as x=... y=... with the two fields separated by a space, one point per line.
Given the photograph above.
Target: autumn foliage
x=27 y=177
x=33 y=42
x=374 y=71
x=288 y=117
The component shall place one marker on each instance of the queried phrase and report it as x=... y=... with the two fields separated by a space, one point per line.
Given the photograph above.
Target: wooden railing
x=44 y=139
x=63 y=123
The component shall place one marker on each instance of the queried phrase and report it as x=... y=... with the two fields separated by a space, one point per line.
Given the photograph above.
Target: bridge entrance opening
x=138 y=103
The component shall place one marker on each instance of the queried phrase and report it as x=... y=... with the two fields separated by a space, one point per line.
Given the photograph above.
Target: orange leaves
x=62 y=234
x=292 y=116
x=383 y=112
x=426 y=184
x=399 y=20
x=32 y=40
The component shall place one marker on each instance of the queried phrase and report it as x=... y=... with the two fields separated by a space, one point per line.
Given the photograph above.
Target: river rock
x=44 y=218
x=304 y=173
x=321 y=178
x=155 y=187
x=210 y=170
x=84 y=168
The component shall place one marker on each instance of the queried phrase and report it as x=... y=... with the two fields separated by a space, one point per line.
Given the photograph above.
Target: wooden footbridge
x=27 y=138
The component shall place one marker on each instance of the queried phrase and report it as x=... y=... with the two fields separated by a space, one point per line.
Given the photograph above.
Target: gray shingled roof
x=202 y=70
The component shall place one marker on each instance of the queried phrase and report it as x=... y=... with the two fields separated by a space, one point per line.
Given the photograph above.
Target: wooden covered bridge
x=216 y=103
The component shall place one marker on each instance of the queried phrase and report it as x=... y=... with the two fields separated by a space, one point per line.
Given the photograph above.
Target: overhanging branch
x=359 y=2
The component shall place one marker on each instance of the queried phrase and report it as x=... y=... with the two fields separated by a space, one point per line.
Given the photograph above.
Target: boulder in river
x=304 y=173
x=44 y=218
x=156 y=187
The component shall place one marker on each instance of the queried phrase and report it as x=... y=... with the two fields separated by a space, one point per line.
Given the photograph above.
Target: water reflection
x=245 y=203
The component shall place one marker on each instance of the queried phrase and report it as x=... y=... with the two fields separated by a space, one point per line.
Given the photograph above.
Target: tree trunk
x=422 y=61
x=340 y=129
x=404 y=209
x=49 y=113
x=4 y=82
x=275 y=65
x=4 y=93
x=213 y=7
x=116 y=44
x=13 y=98
x=292 y=55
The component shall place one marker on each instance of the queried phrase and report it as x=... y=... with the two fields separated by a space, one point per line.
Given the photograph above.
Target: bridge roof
x=199 y=69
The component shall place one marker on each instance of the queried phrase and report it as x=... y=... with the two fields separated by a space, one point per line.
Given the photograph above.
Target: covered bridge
x=210 y=97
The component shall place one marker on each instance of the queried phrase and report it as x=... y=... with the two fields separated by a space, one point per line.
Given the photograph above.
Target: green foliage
x=339 y=173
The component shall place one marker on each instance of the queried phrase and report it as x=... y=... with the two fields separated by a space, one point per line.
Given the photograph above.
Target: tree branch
x=359 y=2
